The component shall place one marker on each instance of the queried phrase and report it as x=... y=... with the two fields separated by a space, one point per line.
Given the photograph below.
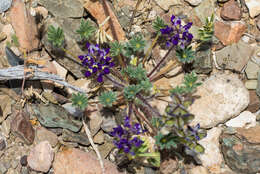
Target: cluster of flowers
x=126 y=136
x=96 y=61
x=178 y=34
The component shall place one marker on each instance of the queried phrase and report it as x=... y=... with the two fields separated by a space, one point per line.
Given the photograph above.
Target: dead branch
x=17 y=72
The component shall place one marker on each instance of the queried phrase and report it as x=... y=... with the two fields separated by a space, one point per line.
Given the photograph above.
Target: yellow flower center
x=138 y=45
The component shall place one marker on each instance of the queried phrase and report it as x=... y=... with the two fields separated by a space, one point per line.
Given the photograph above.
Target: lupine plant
x=123 y=65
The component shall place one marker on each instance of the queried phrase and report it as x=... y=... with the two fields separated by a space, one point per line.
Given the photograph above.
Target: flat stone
x=254 y=7
x=166 y=4
x=222 y=96
x=41 y=156
x=64 y=8
x=61 y=71
x=251 y=84
x=73 y=110
x=245 y=119
x=95 y=119
x=203 y=11
x=234 y=56
x=43 y=134
x=203 y=61
x=231 y=11
x=21 y=127
x=240 y=151
x=24 y=26
x=78 y=162
x=229 y=33
x=99 y=138
x=80 y=138
x=212 y=157
x=252 y=70
x=105 y=149
x=55 y=116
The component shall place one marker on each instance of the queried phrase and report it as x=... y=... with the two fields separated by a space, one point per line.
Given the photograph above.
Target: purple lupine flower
x=96 y=61
x=126 y=139
x=178 y=35
x=194 y=131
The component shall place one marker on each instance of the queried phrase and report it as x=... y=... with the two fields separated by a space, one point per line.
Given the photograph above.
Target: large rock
x=43 y=134
x=71 y=63
x=252 y=70
x=229 y=33
x=41 y=156
x=78 y=162
x=222 y=96
x=234 y=56
x=194 y=2
x=254 y=7
x=231 y=11
x=241 y=150
x=24 y=25
x=64 y=8
x=22 y=127
x=212 y=157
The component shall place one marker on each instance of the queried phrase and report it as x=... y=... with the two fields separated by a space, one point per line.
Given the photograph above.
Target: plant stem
x=148 y=105
x=70 y=53
x=150 y=48
x=114 y=82
x=144 y=118
x=161 y=61
x=122 y=63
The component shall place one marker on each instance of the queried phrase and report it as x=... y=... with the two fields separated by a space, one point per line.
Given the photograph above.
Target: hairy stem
x=161 y=61
x=114 y=81
x=150 y=49
x=142 y=117
x=148 y=105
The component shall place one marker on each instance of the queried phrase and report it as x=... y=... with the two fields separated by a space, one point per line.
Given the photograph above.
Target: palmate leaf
x=158 y=24
x=86 y=30
x=55 y=36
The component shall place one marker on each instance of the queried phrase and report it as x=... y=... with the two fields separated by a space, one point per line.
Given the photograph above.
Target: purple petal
x=187 y=26
x=100 y=78
x=172 y=19
x=106 y=70
x=81 y=57
x=87 y=73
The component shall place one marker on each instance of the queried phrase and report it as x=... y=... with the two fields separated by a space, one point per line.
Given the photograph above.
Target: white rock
x=41 y=156
x=212 y=157
x=254 y=7
x=222 y=96
x=166 y=4
x=194 y=2
x=245 y=119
